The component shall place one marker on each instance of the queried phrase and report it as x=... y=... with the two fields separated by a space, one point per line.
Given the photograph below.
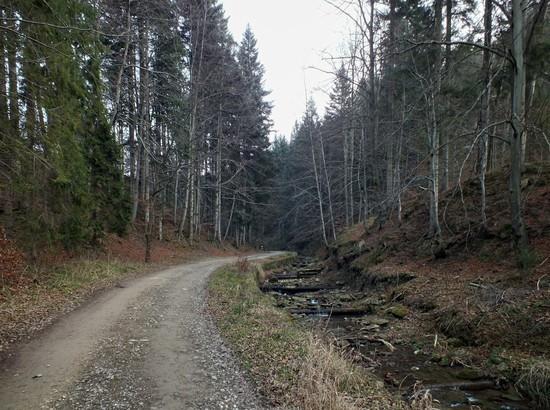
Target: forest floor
x=133 y=346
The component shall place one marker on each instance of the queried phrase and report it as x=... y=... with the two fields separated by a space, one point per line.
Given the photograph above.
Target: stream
x=360 y=325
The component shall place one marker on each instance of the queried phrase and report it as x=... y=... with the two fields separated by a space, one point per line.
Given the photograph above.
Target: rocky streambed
x=372 y=327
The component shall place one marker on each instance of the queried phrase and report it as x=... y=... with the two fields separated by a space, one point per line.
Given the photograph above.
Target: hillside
x=473 y=303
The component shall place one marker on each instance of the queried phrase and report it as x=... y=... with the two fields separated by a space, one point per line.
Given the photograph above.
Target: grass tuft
x=243 y=265
x=422 y=399
x=328 y=380
x=535 y=381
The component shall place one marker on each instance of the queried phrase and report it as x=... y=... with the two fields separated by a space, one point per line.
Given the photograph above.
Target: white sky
x=292 y=36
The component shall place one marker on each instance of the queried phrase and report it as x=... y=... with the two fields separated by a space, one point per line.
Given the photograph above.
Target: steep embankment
x=476 y=304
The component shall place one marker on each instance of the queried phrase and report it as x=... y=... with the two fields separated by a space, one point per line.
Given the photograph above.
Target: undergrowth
x=75 y=275
x=292 y=367
x=535 y=381
x=71 y=277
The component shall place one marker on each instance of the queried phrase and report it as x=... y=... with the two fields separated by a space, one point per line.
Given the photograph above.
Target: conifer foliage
x=61 y=173
x=120 y=113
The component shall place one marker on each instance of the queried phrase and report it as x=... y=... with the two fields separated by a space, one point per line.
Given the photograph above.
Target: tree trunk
x=318 y=186
x=444 y=133
x=329 y=190
x=176 y=196
x=133 y=145
x=351 y=147
x=198 y=38
x=398 y=161
x=516 y=129
x=218 y=205
x=118 y=85
x=434 y=134
x=5 y=144
x=230 y=216
x=161 y=215
x=13 y=92
x=346 y=169
x=484 y=112
x=372 y=91
x=3 y=76
x=145 y=132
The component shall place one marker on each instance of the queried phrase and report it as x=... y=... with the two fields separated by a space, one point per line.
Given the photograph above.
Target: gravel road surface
x=147 y=344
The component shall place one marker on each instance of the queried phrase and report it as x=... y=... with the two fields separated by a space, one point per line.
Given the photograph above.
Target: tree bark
x=145 y=132
x=329 y=190
x=318 y=186
x=218 y=205
x=133 y=145
x=118 y=85
x=484 y=112
x=517 y=123
x=435 y=227
x=448 y=66
x=13 y=92
x=5 y=144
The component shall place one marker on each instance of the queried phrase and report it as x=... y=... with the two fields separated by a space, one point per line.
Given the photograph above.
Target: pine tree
x=254 y=128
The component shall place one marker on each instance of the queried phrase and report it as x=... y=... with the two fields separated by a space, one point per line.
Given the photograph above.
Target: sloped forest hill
x=462 y=235
x=114 y=123
x=472 y=300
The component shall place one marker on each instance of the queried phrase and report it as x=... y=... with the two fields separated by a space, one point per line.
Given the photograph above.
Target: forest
x=162 y=245
x=427 y=96
x=147 y=116
x=161 y=120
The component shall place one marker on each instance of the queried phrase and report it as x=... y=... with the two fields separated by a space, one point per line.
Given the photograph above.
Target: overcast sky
x=292 y=35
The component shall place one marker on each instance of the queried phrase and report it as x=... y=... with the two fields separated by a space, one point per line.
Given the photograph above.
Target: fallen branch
x=371 y=339
x=333 y=311
x=475 y=385
x=297 y=289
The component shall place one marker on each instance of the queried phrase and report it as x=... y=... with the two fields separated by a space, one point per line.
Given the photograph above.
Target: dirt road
x=147 y=344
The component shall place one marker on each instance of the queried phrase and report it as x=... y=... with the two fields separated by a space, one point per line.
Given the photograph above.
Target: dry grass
x=243 y=265
x=86 y=273
x=421 y=399
x=291 y=366
x=328 y=380
x=535 y=381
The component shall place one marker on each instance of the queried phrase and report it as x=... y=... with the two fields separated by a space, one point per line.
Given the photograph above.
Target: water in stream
x=403 y=367
x=400 y=366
